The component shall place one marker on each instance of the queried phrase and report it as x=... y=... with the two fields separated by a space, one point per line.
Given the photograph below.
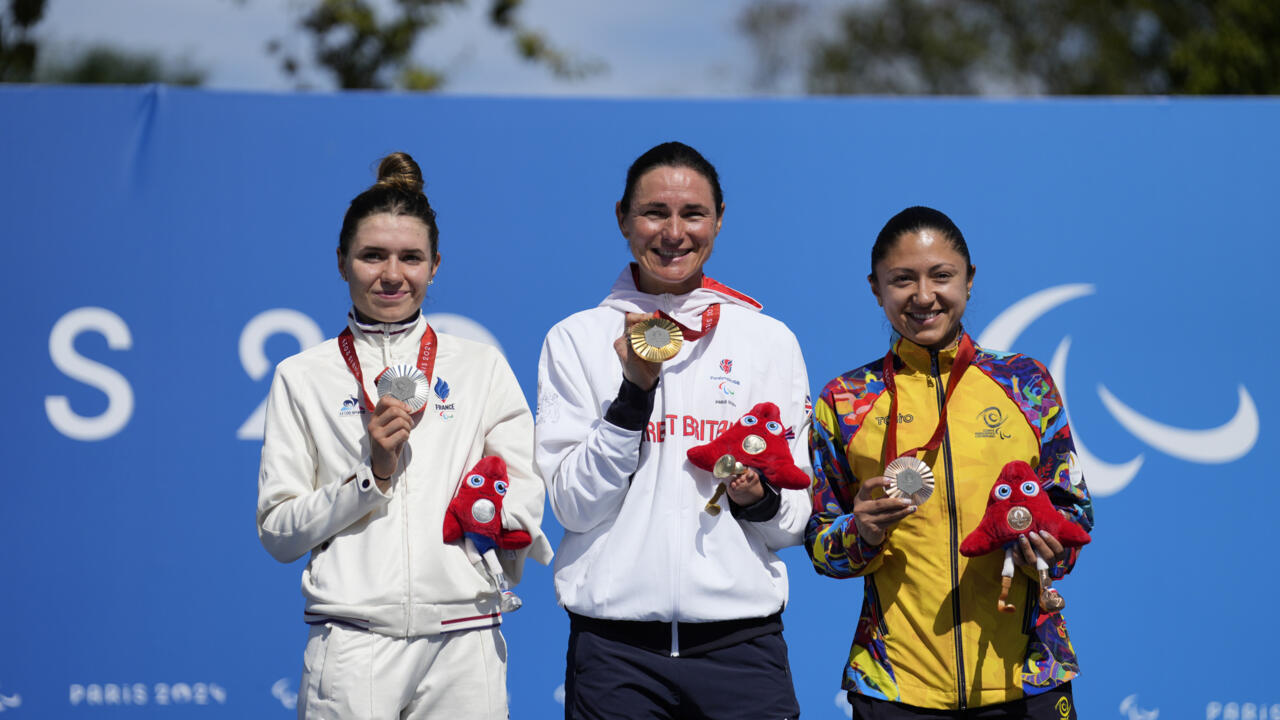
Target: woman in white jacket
x=674 y=612
x=403 y=624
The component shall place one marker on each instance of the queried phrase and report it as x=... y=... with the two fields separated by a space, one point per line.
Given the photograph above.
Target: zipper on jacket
x=953 y=538
x=677 y=567
x=402 y=490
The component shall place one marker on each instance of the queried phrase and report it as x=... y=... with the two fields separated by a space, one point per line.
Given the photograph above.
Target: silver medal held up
x=405 y=383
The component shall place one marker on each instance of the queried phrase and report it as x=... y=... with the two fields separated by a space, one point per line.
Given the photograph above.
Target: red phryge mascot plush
x=758 y=440
x=476 y=509
x=1018 y=506
x=475 y=514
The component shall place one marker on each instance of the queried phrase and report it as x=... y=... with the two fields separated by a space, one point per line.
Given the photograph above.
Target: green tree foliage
x=1026 y=46
x=17 y=47
x=359 y=48
x=110 y=66
x=22 y=60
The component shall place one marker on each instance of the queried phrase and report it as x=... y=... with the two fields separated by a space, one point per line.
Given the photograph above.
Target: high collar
x=920 y=358
x=393 y=332
x=686 y=309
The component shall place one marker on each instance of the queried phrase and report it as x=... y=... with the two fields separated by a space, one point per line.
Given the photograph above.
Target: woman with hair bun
x=367 y=437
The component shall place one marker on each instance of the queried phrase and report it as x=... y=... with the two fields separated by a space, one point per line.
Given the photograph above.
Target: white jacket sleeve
x=586 y=462
x=509 y=435
x=786 y=528
x=294 y=515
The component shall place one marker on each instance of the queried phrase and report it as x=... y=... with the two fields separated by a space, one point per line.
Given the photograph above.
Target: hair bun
x=399 y=171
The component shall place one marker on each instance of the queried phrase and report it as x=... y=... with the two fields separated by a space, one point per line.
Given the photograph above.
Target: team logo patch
x=444 y=409
x=994 y=420
x=726 y=365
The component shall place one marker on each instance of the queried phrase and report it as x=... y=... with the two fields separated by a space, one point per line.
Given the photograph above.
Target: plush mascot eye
x=500 y=487
x=475 y=480
x=749 y=420
x=1030 y=488
x=1002 y=491
x=773 y=426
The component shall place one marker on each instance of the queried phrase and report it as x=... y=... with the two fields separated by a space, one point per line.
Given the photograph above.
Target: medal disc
x=728 y=466
x=909 y=478
x=405 y=383
x=753 y=444
x=1019 y=518
x=656 y=339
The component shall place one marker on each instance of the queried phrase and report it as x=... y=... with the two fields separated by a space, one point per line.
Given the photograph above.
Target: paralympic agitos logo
x=1223 y=444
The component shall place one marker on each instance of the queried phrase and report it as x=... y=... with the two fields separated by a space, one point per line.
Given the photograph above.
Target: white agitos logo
x=280 y=691
x=1222 y=444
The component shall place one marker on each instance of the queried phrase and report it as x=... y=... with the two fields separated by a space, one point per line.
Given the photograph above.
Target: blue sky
x=651 y=48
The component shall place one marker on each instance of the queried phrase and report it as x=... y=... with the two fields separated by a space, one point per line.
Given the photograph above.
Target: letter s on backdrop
x=77 y=367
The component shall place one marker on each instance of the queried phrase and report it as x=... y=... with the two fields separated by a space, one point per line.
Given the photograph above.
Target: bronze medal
x=909 y=478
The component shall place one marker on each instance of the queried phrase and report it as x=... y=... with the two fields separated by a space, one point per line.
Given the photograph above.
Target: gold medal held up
x=656 y=339
x=909 y=478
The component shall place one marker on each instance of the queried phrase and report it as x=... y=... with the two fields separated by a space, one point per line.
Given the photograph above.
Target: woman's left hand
x=1043 y=543
x=745 y=488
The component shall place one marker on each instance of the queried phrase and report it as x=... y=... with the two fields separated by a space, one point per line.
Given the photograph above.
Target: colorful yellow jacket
x=930 y=634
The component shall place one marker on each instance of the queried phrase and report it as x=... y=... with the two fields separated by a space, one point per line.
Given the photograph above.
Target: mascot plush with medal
x=758 y=440
x=1017 y=506
x=474 y=516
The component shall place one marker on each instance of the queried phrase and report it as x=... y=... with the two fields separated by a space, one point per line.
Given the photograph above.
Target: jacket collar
x=920 y=359
x=686 y=309
x=395 y=333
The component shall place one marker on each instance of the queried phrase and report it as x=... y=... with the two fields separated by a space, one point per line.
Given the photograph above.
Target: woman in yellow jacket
x=930 y=641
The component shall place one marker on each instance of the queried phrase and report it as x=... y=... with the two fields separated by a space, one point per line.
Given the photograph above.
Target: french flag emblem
x=726 y=365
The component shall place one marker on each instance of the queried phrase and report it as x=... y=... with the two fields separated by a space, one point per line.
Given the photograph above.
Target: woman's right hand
x=388 y=431
x=876 y=516
x=640 y=372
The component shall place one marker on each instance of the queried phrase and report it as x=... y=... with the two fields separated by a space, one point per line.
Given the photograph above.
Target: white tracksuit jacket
x=380 y=561
x=638 y=544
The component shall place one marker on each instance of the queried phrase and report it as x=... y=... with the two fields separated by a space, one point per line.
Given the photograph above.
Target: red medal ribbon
x=710 y=317
x=964 y=356
x=426 y=359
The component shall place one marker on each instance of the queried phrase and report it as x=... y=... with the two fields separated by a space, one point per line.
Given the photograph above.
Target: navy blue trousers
x=606 y=680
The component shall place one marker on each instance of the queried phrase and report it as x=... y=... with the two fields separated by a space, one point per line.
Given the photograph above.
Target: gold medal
x=656 y=339
x=909 y=478
x=753 y=445
x=728 y=466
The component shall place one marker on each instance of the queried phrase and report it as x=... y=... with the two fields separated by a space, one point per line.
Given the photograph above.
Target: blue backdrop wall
x=165 y=248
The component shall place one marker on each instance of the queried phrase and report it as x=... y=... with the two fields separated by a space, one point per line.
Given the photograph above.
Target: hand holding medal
x=643 y=369
x=403 y=391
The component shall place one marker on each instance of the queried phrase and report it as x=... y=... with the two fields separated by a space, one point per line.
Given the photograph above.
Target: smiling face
x=387 y=266
x=923 y=284
x=671 y=226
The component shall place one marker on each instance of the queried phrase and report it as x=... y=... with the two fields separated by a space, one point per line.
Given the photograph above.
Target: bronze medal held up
x=656 y=339
x=909 y=478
